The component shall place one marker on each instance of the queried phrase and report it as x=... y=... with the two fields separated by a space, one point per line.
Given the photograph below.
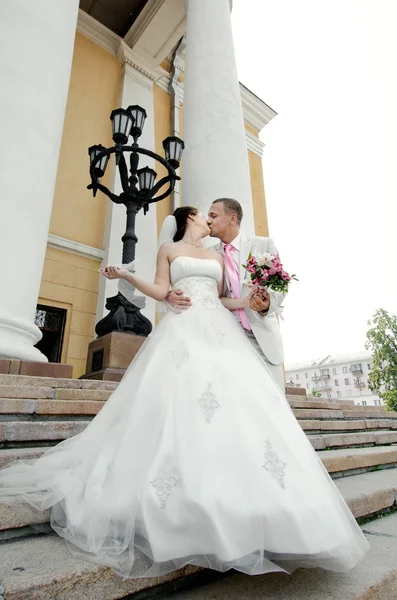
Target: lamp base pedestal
x=110 y=355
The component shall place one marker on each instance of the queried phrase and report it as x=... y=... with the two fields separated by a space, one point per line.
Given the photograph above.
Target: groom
x=259 y=322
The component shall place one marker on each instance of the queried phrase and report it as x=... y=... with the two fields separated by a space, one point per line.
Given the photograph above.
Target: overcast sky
x=330 y=162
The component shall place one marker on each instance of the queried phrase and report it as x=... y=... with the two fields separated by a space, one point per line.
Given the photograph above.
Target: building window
x=334 y=371
x=345 y=369
x=336 y=381
x=377 y=402
x=347 y=381
x=368 y=367
x=329 y=395
x=338 y=394
x=305 y=375
x=349 y=393
x=297 y=375
x=51 y=322
x=364 y=403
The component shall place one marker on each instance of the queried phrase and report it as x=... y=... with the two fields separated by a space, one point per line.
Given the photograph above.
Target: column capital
x=137 y=66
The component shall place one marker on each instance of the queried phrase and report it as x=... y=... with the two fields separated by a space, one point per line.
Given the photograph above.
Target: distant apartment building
x=342 y=376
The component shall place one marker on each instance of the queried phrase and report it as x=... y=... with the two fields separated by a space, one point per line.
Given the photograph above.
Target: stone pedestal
x=110 y=355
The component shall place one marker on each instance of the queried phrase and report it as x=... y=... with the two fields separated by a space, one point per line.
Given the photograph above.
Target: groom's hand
x=260 y=301
x=176 y=299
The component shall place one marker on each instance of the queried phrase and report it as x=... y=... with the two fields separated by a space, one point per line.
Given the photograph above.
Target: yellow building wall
x=93 y=93
x=258 y=194
x=70 y=281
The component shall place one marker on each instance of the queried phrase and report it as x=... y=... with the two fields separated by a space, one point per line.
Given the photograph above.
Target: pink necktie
x=234 y=280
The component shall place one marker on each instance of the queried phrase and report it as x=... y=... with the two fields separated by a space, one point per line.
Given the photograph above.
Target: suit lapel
x=245 y=246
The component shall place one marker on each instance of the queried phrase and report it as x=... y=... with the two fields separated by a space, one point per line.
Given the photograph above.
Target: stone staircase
x=357 y=445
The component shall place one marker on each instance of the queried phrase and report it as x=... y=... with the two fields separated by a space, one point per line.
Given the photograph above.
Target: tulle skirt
x=195 y=459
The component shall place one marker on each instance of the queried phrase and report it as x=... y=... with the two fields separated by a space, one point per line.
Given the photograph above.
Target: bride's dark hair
x=181 y=216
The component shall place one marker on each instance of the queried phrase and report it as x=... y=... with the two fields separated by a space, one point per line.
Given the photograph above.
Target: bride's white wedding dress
x=196 y=458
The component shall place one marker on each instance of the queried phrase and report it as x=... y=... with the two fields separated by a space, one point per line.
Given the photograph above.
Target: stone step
x=10 y=406
x=38 y=392
x=374 y=578
x=327 y=405
x=354 y=412
x=9 y=455
x=39 y=431
x=315 y=425
x=369 y=493
x=367 y=438
x=55 y=382
x=41 y=568
x=347 y=461
x=365 y=494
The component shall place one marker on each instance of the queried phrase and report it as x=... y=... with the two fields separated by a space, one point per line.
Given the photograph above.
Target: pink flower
x=264 y=274
x=285 y=276
x=251 y=269
x=256 y=281
x=251 y=261
x=279 y=268
x=272 y=271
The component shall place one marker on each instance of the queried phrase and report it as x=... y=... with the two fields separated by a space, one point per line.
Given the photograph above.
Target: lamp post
x=139 y=191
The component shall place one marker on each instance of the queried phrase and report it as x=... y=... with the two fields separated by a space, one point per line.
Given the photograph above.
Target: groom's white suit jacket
x=265 y=328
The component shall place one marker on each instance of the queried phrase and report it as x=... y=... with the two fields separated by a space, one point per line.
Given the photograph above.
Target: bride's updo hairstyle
x=181 y=216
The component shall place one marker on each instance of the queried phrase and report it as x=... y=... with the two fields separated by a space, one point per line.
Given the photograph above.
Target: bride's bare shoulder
x=165 y=249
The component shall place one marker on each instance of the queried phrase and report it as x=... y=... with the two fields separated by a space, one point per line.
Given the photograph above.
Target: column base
x=35 y=369
x=18 y=338
x=110 y=355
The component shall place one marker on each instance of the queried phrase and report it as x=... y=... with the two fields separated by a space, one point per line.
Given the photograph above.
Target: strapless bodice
x=198 y=278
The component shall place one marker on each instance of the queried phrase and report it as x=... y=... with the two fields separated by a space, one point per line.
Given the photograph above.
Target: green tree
x=315 y=393
x=382 y=342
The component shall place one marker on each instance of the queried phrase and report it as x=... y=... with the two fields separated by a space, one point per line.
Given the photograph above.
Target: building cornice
x=138 y=67
x=98 y=33
x=256 y=112
x=60 y=243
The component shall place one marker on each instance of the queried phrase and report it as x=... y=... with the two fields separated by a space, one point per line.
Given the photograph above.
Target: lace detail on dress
x=208 y=402
x=203 y=291
x=166 y=481
x=274 y=464
x=180 y=354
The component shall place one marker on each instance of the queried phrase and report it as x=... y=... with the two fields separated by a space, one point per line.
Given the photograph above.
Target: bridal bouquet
x=266 y=270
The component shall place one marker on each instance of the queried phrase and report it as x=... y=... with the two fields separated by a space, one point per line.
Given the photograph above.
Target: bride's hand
x=114 y=272
x=248 y=299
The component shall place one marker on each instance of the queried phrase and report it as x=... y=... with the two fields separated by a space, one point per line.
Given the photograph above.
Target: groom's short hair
x=231 y=206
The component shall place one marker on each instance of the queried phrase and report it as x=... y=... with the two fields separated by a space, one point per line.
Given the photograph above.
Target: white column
x=36 y=49
x=215 y=160
x=137 y=88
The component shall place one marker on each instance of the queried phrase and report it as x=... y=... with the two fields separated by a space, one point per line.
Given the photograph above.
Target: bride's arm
x=235 y=303
x=157 y=290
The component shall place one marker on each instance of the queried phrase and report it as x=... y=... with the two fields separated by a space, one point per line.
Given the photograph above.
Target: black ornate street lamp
x=139 y=191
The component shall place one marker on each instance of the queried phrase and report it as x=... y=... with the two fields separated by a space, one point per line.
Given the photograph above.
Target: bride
x=197 y=457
